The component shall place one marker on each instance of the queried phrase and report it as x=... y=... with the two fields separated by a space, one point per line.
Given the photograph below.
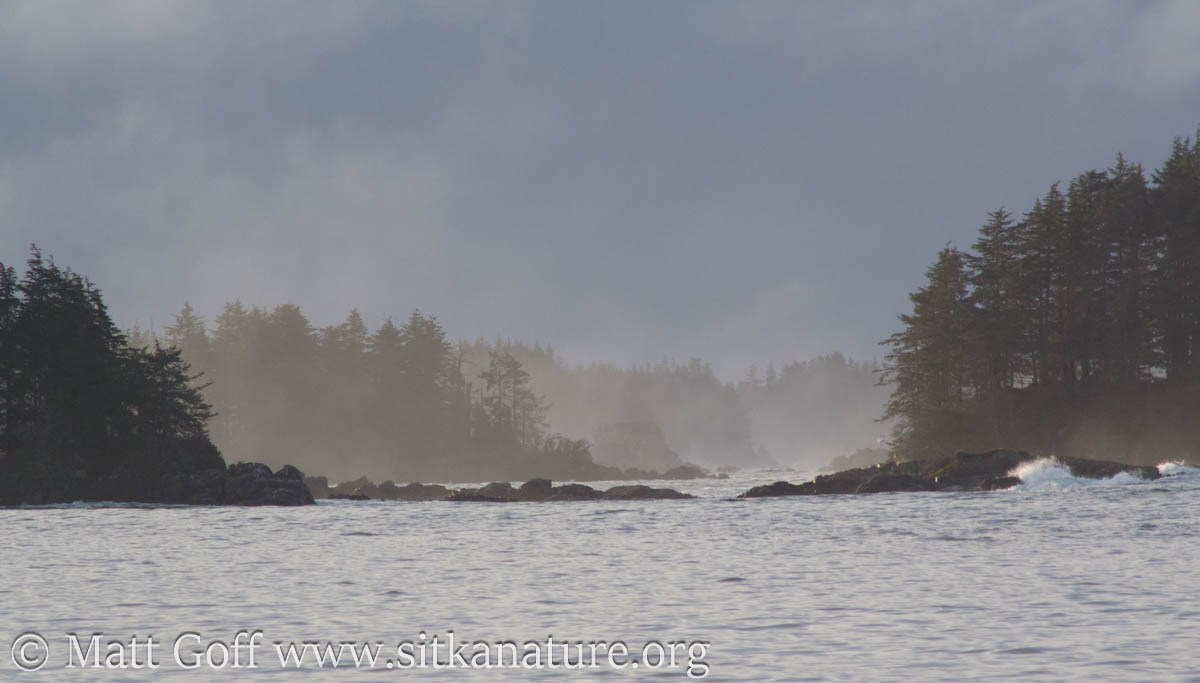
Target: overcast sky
x=742 y=182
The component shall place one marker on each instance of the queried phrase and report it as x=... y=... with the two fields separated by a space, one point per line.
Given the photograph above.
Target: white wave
x=1048 y=474
x=1177 y=469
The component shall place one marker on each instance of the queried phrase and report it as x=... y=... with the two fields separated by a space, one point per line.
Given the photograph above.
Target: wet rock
x=535 y=490
x=256 y=484
x=359 y=487
x=496 y=492
x=640 y=492
x=890 y=481
x=779 y=488
x=1100 y=469
x=418 y=491
x=574 y=492
x=999 y=483
x=968 y=471
x=962 y=471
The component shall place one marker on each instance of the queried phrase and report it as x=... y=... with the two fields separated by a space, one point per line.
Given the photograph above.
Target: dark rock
x=999 y=483
x=359 y=487
x=574 y=492
x=639 y=492
x=890 y=481
x=347 y=487
x=417 y=491
x=499 y=489
x=255 y=484
x=968 y=471
x=496 y=492
x=289 y=472
x=960 y=472
x=388 y=490
x=1100 y=469
x=347 y=496
x=779 y=488
x=535 y=490
x=254 y=469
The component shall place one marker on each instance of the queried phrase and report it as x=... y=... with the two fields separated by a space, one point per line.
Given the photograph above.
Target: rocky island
x=961 y=472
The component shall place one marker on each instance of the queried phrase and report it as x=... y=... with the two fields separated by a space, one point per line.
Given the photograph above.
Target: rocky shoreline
x=251 y=484
x=532 y=491
x=243 y=483
x=961 y=472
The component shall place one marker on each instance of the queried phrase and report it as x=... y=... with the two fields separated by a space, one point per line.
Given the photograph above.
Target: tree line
x=1073 y=329
x=400 y=402
x=79 y=405
x=403 y=402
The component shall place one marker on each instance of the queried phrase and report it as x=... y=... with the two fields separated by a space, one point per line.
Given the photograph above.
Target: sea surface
x=1057 y=579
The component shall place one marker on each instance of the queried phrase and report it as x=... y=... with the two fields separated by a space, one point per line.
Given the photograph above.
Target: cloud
x=623 y=180
x=1164 y=52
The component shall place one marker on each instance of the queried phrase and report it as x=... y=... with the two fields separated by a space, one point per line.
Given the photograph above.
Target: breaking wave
x=1177 y=469
x=1048 y=474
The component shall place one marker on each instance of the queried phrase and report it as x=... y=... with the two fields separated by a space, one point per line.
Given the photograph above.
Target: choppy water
x=1057 y=579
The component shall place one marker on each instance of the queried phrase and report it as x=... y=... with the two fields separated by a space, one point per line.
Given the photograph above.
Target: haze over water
x=1061 y=578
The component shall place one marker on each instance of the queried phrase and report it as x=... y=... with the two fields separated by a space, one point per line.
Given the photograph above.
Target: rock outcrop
x=961 y=472
x=532 y=491
x=243 y=483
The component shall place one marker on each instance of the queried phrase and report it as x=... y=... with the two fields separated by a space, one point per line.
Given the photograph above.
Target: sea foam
x=1048 y=474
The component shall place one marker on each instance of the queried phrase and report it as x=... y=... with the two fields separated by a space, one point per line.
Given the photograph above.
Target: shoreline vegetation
x=1073 y=329
x=86 y=417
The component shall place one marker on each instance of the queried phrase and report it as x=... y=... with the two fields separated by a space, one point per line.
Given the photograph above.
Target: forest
x=82 y=412
x=404 y=402
x=1071 y=330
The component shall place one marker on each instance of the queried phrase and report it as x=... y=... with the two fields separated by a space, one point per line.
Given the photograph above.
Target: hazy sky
x=737 y=181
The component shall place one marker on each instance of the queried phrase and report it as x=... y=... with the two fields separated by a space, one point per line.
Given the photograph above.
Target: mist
x=735 y=183
x=402 y=402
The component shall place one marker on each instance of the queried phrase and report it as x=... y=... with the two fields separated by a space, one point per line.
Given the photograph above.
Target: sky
x=740 y=181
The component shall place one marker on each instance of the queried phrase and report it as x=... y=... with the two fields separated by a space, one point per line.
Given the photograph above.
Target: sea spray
x=1048 y=474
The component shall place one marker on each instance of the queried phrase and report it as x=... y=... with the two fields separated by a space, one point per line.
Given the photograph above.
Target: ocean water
x=1056 y=579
